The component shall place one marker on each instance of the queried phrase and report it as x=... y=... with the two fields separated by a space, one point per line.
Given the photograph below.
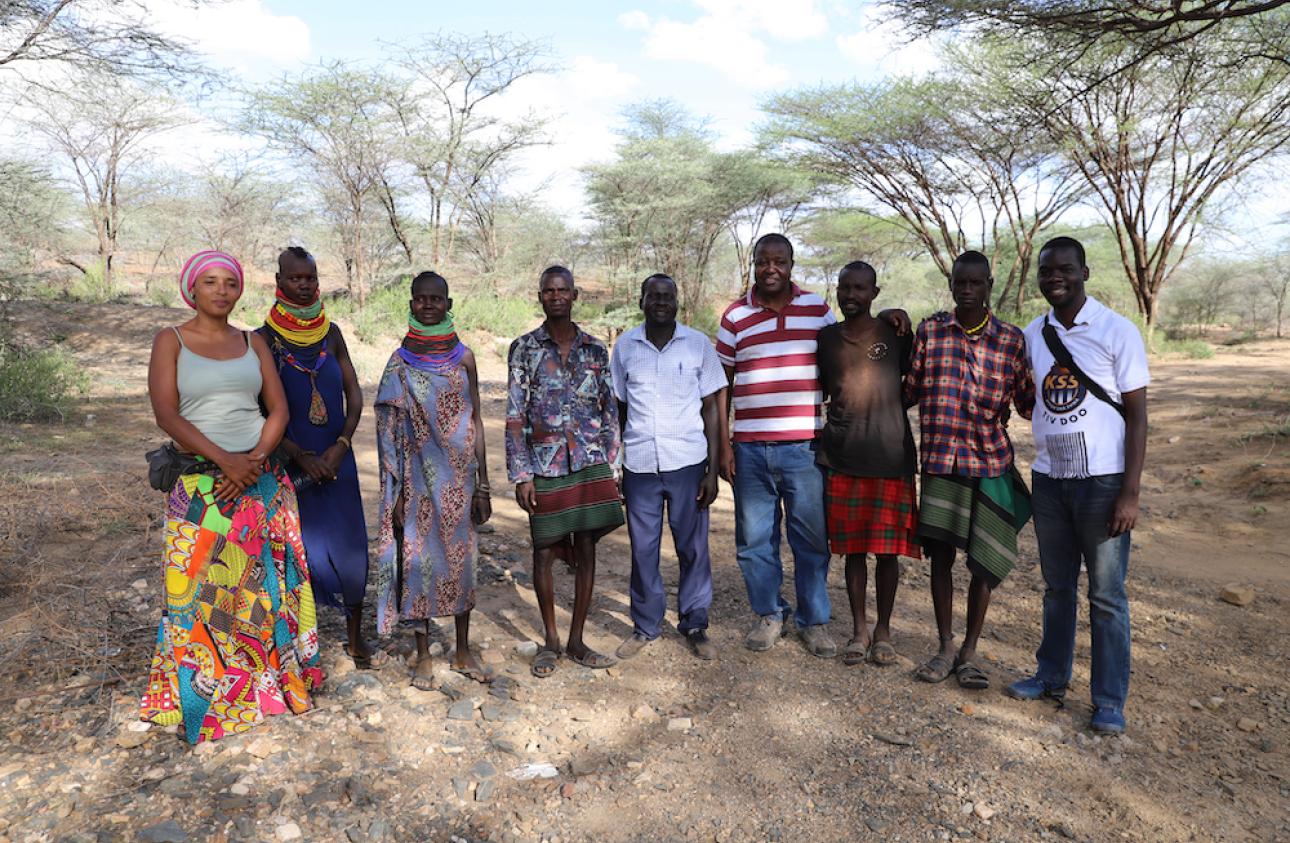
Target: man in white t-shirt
x=1090 y=425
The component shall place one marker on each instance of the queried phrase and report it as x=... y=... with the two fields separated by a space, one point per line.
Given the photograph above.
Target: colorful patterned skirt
x=238 y=638
x=583 y=502
x=981 y=515
x=871 y=514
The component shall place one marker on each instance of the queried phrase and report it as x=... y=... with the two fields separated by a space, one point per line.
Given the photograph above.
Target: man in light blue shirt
x=667 y=379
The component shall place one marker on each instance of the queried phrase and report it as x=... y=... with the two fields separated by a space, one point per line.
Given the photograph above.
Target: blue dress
x=331 y=513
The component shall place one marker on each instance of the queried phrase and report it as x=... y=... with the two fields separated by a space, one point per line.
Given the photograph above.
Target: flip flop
x=482 y=675
x=853 y=653
x=424 y=683
x=375 y=660
x=971 y=677
x=882 y=654
x=593 y=660
x=544 y=663
x=936 y=669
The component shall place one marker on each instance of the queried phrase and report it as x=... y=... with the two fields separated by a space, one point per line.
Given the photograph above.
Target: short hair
x=773 y=237
x=430 y=277
x=859 y=266
x=1065 y=243
x=972 y=258
x=297 y=252
x=556 y=269
x=658 y=276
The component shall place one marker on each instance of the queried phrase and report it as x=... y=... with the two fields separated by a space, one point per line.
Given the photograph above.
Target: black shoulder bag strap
x=1063 y=356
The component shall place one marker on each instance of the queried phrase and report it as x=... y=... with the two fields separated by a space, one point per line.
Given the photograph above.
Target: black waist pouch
x=166 y=464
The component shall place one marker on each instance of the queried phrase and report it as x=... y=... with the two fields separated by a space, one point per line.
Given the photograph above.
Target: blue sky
x=718 y=58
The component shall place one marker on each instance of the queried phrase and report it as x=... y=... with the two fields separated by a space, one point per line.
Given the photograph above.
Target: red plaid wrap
x=872 y=515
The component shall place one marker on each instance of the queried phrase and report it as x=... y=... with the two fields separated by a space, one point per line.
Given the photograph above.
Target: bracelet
x=348 y=445
x=482 y=493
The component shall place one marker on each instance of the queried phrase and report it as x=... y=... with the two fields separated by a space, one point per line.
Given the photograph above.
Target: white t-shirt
x=1077 y=434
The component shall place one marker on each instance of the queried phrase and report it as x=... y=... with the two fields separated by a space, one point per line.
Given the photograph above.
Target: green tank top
x=221 y=397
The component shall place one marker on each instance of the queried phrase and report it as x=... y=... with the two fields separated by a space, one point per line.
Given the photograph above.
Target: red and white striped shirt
x=777 y=380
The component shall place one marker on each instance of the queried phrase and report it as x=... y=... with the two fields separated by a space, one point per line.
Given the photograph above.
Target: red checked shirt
x=963 y=385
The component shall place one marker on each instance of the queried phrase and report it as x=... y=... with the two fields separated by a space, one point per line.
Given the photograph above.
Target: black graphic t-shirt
x=866 y=429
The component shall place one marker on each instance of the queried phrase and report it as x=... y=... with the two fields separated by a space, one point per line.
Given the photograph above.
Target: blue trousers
x=647 y=496
x=766 y=475
x=1071 y=518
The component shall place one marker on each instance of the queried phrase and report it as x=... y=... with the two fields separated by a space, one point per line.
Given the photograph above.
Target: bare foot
x=423 y=674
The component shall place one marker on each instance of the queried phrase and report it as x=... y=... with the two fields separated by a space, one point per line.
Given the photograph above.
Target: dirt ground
x=760 y=747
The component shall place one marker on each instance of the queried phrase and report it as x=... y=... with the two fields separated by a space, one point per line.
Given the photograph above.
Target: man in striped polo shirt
x=766 y=343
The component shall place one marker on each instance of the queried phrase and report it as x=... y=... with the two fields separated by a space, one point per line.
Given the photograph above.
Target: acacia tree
x=760 y=189
x=950 y=164
x=114 y=37
x=1235 y=31
x=338 y=124
x=668 y=200
x=450 y=138
x=101 y=126
x=1157 y=143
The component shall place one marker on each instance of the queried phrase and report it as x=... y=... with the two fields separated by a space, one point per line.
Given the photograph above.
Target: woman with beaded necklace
x=237 y=639
x=434 y=480
x=325 y=403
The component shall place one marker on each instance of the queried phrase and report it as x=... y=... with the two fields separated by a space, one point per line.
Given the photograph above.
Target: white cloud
x=881 y=48
x=583 y=101
x=233 y=31
x=635 y=19
x=730 y=36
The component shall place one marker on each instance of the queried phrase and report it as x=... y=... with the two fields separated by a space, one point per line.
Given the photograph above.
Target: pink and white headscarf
x=198 y=264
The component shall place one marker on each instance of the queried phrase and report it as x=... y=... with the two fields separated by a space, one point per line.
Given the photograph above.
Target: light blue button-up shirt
x=664 y=391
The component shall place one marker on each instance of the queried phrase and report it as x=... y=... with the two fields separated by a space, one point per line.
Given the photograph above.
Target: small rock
x=1247 y=724
x=129 y=738
x=262 y=748
x=582 y=766
x=1196 y=704
x=1174 y=440
x=967 y=709
x=463 y=709
x=484 y=791
x=983 y=810
x=483 y=770
x=493 y=657
x=1237 y=594
x=527 y=649
x=164 y=832
x=966 y=808
x=1052 y=733
x=462 y=786
x=1214 y=703
x=875 y=824
x=436 y=649
x=679 y=724
x=643 y=712
x=568 y=790
x=289 y=831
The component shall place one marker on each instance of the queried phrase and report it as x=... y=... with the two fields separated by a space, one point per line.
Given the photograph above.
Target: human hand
x=312 y=465
x=1124 y=513
x=331 y=458
x=707 y=490
x=237 y=473
x=726 y=458
x=481 y=508
x=897 y=319
x=526 y=496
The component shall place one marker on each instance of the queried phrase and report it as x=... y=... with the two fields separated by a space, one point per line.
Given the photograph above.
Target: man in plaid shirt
x=965 y=371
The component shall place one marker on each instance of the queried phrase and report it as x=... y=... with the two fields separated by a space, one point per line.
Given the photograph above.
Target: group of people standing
x=264 y=423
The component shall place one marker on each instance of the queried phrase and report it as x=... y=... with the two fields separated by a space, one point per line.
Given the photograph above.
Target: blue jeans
x=767 y=473
x=646 y=495
x=1071 y=518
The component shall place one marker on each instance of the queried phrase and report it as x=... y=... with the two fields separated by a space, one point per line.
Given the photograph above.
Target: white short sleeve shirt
x=664 y=391
x=1077 y=435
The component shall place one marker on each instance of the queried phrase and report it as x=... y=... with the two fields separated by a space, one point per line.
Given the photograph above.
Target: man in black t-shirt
x=867 y=450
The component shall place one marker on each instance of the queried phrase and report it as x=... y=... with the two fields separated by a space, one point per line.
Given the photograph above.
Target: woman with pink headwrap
x=238 y=638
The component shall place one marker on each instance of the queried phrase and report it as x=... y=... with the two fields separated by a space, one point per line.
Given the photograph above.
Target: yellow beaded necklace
x=979 y=328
